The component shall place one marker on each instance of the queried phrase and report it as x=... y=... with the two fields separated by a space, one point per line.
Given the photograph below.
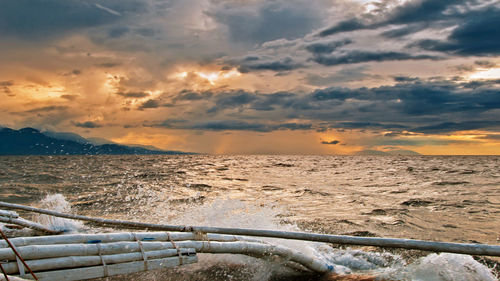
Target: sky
x=256 y=76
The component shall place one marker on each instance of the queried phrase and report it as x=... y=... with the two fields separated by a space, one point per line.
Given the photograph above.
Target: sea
x=437 y=198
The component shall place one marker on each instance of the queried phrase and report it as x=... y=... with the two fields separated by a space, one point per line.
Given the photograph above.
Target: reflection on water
x=436 y=198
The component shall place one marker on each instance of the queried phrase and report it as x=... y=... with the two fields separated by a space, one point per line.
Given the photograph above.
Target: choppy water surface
x=436 y=198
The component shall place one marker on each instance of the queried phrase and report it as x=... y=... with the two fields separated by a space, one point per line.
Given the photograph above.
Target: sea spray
x=331 y=194
x=226 y=212
x=57 y=202
x=442 y=267
x=359 y=261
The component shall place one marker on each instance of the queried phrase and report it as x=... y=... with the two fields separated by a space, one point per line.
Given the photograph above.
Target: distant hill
x=99 y=141
x=371 y=152
x=29 y=141
x=66 y=136
x=391 y=152
x=404 y=152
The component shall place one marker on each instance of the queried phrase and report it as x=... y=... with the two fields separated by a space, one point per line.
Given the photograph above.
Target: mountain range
x=30 y=141
x=397 y=152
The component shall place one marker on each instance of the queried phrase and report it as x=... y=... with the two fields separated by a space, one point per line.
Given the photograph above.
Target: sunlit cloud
x=492 y=73
x=180 y=75
x=41 y=92
x=213 y=77
x=210 y=76
x=283 y=76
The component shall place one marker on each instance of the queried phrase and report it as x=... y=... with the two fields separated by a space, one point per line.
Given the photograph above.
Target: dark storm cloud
x=192 y=96
x=366 y=56
x=255 y=63
x=413 y=105
x=343 y=26
x=472 y=24
x=109 y=64
x=485 y=63
x=42 y=19
x=117 y=31
x=416 y=11
x=268 y=20
x=133 y=94
x=405 y=79
x=422 y=11
x=447 y=127
x=293 y=126
x=5 y=86
x=367 y=125
x=268 y=102
x=87 y=124
x=416 y=106
x=477 y=35
x=233 y=125
x=408 y=102
x=343 y=75
x=167 y=123
x=232 y=100
x=334 y=142
x=145 y=32
x=331 y=94
x=481 y=83
x=491 y=137
x=150 y=104
x=6 y=83
x=413 y=142
x=69 y=97
x=397 y=134
x=403 y=31
x=47 y=109
x=280 y=43
x=256 y=101
x=464 y=68
x=327 y=47
x=413 y=99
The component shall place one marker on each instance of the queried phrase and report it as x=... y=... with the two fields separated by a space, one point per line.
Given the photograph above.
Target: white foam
x=443 y=267
x=361 y=261
x=236 y=213
x=57 y=202
x=225 y=212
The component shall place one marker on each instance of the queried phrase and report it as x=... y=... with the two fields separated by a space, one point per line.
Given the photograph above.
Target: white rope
x=203 y=237
x=176 y=248
x=104 y=265
x=20 y=264
x=144 y=254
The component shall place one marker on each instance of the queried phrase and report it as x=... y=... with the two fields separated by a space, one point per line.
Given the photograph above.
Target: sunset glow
x=247 y=77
